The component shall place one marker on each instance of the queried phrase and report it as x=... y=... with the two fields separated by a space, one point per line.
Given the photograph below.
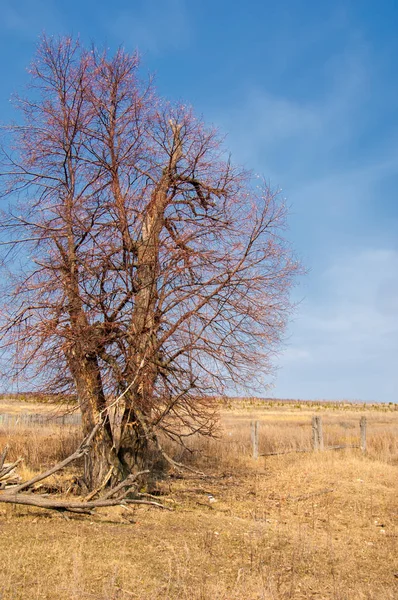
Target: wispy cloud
x=289 y=137
x=153 y=26
x=343 y=342
x=346 y=345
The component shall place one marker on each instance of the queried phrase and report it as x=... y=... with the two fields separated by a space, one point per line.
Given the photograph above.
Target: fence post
x=254 y=430
x=317 y=433
x=320 y=434
x=362 y=425
x=315 y=444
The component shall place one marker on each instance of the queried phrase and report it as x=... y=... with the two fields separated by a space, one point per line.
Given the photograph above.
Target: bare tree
x=144 y=268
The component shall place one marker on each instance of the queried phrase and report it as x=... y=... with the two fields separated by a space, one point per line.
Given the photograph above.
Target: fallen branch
x=81 y=451
x=8 y=468
x=285 y=452
x=3 y=457
x=107 y=477
x=9 y=480
x=128 y=482
x=8 y=476
x=12 y=494
x=342 y=447
x=309 y=450
x=72 y=506
x=310 y=495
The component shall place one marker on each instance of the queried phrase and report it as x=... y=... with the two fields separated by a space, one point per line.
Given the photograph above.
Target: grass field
x=301 y=525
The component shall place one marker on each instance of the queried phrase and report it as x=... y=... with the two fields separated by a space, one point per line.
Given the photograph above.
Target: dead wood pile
x=124 y=493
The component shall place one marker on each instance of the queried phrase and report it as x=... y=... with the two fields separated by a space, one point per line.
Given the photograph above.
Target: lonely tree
x=144 y=268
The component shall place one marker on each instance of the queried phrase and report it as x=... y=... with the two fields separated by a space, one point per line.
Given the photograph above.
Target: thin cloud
x=343 y=342
x=153 y=27
x=290 y=138
x=346 y=345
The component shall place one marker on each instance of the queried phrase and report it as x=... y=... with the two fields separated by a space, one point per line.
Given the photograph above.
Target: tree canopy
x=144 y=268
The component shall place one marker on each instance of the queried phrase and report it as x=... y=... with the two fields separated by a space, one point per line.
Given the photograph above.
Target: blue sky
x=307 y=95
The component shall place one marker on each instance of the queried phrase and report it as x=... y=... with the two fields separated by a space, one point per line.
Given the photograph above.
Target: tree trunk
x=102 y=455
x=145 y=320
x=134 y=451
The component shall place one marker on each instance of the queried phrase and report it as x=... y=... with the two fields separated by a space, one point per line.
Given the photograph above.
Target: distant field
x=314 y=526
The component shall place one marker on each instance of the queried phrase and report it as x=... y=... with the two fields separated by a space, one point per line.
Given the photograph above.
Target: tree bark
x=137 y=443
x=102 y=455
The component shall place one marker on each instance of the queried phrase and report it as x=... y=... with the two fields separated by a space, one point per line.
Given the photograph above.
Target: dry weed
x=316 y=526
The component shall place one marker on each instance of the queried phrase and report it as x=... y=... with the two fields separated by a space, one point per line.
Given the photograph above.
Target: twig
x=125 y=483
x=311 y=495
x=81 y=451
x=91 y=495
x=8 y=468
x=3 y=457
x=82 y=507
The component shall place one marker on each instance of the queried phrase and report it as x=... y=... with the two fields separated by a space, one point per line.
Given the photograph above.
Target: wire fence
x=39 y=419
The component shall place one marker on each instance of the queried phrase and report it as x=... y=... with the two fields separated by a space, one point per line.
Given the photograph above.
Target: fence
x=28 y=419
x=42 y=420
x=317 y=439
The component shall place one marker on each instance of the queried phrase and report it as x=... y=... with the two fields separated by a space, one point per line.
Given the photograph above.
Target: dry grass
x=17 y=406
x=272 y=533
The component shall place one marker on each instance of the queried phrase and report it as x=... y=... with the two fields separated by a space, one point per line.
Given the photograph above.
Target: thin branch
x=81 y=451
